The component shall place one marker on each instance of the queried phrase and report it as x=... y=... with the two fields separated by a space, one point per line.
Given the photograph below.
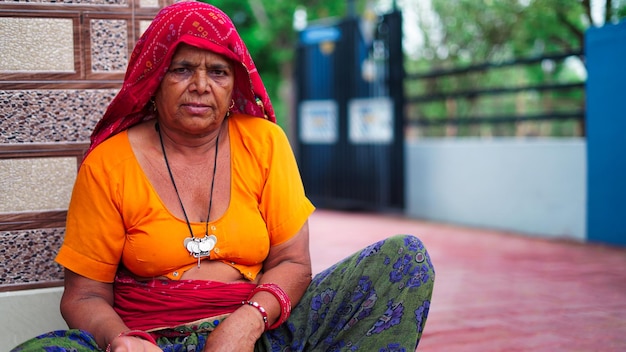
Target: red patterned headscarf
x=194 y=23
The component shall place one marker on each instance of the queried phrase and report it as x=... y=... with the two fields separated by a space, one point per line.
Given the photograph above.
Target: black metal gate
x=350 y=113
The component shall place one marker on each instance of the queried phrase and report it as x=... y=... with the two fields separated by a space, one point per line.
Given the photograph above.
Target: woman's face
x=195 y=93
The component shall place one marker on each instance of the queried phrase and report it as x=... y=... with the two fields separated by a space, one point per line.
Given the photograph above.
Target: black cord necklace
x=197 y=247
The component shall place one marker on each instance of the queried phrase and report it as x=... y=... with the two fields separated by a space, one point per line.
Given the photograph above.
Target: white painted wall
x=28 y=313
x=531 y=186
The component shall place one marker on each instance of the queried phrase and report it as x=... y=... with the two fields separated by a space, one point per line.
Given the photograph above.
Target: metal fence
x=538 y=96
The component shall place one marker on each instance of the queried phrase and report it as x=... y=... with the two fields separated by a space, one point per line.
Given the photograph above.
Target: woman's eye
x=218 y=72
x=179 y=70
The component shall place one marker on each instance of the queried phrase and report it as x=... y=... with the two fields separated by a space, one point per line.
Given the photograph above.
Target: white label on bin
x=370 y=120
x=318 y=122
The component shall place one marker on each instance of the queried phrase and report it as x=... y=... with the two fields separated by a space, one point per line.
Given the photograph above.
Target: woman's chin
x=199 y=125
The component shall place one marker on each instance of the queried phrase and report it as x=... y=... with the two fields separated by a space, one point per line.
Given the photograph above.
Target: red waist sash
x=146 y=305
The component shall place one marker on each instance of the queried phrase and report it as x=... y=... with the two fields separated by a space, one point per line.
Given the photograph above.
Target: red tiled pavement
x=497 y=291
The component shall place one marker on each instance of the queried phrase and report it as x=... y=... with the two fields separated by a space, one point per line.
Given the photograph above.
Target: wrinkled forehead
x=188 y=54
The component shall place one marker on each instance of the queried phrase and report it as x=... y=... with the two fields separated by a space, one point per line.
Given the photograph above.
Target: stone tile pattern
x=21 y=50
x=36 y=184
x=143 y=25
x=33 y=116
x=28 y=256
x=42 y=116
x=149 y=3
x=109 y=45
x=60 y=115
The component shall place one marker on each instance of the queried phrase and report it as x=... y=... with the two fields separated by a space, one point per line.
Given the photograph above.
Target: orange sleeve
x=283 y=203
x=95 y=234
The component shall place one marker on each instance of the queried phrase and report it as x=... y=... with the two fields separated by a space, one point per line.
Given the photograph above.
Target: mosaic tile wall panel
x=36 y=184
x=109 y=45
x=28 y=256
x=149 y=3
x=69 y=2
x=40 y=44
x=143 y=25
x=32 y=116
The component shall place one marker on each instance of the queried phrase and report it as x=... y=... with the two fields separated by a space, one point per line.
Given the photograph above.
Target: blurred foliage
x=461 y=33
x=488 y=30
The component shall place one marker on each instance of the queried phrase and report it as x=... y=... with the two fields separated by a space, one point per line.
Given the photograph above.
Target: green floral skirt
x=375 y=300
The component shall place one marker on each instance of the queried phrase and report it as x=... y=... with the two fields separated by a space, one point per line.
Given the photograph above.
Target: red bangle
x=134 y=333
x=283 y=300
x=261 y=310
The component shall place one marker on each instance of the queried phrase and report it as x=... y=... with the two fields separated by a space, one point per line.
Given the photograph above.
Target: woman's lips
x=197 y=109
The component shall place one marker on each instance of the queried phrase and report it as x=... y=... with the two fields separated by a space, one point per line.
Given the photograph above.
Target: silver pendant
x=200 y=247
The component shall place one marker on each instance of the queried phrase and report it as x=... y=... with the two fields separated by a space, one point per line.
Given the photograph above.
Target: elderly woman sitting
x=188 y=223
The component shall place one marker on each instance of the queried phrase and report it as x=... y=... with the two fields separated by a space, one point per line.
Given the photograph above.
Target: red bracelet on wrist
x=261 y=310
x=134 y=333
x=283 y=300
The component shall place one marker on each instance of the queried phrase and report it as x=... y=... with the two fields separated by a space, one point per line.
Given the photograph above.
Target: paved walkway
x=496 y=291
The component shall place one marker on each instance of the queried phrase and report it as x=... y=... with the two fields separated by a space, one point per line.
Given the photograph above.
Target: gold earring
x=232 y=105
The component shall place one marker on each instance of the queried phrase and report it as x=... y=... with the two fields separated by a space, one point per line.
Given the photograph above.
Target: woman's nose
x=200 y=82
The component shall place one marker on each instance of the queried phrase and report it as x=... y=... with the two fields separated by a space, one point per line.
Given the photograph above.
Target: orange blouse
x=115 y=214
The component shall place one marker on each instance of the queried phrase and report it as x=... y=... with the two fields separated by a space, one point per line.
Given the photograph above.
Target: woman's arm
x=288 y=265
x=88 y=305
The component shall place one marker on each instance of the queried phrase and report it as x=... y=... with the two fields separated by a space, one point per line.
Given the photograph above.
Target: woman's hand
x=288 y=266
x=133 y=344
x=88 y=305
x=237 y=333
